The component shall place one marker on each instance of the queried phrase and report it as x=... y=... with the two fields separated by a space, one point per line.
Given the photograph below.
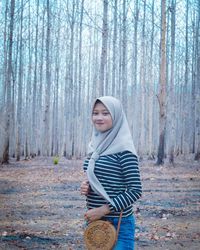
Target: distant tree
x=162 y=83
x=186 y=89
x=47 y=142
x=172 y=115
x=197 y=86
x=142 y=85
x=114 y=49
x=8 y=78
x=150 y=97
x=35 y=96
x=20 y=83
x=124 y=83
x=103 y=48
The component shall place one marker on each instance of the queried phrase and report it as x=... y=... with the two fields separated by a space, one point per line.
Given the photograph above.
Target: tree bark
x=142 y=85
x=134 y=83
x=114 y=48
x=197 y=81
x=35 y=95
x=151 y=90
x=47 y=144
x=19 y=102
x=5 y=158
x=162 y=93
x=104 y=48
x=172 y=92
x=186 y=91
x=5 y=49
x=124 y=58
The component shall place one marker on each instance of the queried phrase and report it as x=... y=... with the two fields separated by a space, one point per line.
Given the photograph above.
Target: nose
x=99 y=117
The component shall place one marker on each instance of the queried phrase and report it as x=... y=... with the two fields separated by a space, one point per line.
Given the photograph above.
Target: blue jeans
x=126 y=233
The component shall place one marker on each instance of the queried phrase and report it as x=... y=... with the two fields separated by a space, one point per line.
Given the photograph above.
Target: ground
x=41 y=206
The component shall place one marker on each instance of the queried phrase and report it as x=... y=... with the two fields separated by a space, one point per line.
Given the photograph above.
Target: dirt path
x=41 y=208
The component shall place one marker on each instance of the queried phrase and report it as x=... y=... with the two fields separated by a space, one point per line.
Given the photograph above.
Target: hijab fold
x=115 y=140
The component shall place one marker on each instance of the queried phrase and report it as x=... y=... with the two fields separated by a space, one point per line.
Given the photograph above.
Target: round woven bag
x=100 y=235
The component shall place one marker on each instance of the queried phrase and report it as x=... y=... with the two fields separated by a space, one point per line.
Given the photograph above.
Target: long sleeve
x=131 y=178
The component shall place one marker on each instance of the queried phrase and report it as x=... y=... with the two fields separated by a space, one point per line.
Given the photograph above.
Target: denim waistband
x=115 y=219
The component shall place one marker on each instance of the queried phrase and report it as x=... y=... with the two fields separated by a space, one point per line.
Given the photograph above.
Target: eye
x=95 y=113
x=106 y=113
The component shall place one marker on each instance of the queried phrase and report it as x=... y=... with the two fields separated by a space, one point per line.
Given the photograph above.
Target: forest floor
x=41 y=206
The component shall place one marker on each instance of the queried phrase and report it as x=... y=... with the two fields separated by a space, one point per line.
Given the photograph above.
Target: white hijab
x=112 y=141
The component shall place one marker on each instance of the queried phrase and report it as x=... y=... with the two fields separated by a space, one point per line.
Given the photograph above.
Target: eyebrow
x=101 y=110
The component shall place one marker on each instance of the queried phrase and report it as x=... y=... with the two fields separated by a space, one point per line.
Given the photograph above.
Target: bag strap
x=119 y=223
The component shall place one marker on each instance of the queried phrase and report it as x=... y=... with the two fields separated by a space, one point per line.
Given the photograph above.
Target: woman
x=113 y=180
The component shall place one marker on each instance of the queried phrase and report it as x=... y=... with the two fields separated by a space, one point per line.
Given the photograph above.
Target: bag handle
x=119 y=223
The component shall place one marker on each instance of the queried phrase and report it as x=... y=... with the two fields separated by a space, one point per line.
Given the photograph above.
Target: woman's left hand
x=96 y=213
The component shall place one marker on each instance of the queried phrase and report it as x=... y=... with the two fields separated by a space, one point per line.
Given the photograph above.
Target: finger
x=83 y=190
x=87 y=218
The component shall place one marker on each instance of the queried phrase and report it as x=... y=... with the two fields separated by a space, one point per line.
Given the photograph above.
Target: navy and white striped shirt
x=120 y=177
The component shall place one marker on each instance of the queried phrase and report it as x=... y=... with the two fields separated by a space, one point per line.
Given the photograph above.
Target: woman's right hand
x=85 y=187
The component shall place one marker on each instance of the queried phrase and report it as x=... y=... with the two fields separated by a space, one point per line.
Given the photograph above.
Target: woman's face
x=101 y=117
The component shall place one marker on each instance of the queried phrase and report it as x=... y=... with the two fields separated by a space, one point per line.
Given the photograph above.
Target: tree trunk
x=5 y=63
x=104 y=48
x=28 y=107
x=142 y=85
x=40 y=149
x=134 y=83
x=47 y=144
x=172 y=92
x=35 y=95
x=197 y=99
x=114 y=65
x=8 y=85
x=124 y=58
x=19 y=101
x=55 y=119
x=162 y=93
x=186 y=91
x=151 y=90
x=80 y=78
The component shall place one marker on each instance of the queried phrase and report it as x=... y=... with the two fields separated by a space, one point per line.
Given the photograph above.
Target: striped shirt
x=120 y=177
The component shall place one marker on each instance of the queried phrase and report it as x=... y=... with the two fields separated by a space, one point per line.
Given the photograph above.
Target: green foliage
x=55 y=160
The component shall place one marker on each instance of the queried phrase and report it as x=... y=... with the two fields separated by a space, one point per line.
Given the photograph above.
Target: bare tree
x=162 y=93
x=47 y=143
x=55 y=149
x=5 y=49
x=80 y=81
x=104 y=48
x=124 y=57
x=197 y=87
x=35 y=88
x=20 y=81
x=142 y=83
x=172 y=90
x=5 y=158
x=134 y=83
x=114 y=49
x=185 y=142
x=150 y=107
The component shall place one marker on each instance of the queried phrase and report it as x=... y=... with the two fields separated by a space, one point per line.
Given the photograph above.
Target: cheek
x=110 y=122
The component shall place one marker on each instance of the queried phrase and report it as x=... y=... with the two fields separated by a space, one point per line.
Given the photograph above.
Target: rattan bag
x=101 y=235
